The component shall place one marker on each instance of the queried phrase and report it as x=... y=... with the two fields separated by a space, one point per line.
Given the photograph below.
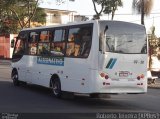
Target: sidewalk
x=5 y=62
x=156 y=85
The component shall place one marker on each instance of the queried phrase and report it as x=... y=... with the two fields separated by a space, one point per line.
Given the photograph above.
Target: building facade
x=55 y=16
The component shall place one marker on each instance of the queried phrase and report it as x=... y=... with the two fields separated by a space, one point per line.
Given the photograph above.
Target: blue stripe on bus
x=113 y=63
x=109 y=63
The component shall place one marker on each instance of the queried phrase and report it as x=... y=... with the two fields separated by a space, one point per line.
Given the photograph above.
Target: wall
x=5 y=46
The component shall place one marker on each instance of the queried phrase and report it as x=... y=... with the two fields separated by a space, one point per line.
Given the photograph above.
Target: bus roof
x=78 y=23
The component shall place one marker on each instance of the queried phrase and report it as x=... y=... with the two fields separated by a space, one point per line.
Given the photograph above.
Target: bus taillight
x=103 y=75
x=106 y=77
x=140 y=77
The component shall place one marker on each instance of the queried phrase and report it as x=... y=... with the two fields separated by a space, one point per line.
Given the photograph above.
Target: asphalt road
x=36 y=99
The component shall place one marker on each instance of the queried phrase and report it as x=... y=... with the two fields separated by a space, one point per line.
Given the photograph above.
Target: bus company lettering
x=57 y=61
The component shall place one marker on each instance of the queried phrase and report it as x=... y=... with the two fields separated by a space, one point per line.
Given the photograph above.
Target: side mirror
x=12 y=43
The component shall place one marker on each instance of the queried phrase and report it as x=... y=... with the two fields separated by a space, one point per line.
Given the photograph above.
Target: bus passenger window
x=58 y=43
x=79 y=42
x=32 y=49
x=43 y=48
x=57 y=49
x=33 y=43
x=44 y=43
x=86 y=42
x=73 y=43
x=19 y=47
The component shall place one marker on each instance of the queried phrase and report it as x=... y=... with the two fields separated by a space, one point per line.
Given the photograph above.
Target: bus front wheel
x=56 y=87
x=15 y=78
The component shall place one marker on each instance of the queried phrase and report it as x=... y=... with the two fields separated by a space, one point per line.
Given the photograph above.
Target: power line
x=123 y=14
x=146 y=19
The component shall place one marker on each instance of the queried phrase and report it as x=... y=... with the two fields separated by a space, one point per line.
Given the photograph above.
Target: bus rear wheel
x=15 y=78
x=56 y=87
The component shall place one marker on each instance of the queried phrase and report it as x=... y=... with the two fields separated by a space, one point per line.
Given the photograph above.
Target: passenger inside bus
x=70 y=45
x=77 y=44
x=33 y=44
x=57 y=49
x=19 y=48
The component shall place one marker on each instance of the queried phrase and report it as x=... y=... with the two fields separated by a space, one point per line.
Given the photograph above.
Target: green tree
x=107 y=7
x=153 y=45
x=142 y=7
x=21 y=11
x=98 y=13
x=111 y=6
x=40 y=16
x=8 y=22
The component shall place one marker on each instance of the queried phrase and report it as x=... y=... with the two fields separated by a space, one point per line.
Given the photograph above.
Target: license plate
x=123 y=74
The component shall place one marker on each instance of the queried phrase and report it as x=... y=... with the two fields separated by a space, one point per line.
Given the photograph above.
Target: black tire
x=56 y=88
x=15 y=78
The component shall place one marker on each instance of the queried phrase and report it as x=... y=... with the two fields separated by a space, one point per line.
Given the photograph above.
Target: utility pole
x=142 y=13
x=29 y=22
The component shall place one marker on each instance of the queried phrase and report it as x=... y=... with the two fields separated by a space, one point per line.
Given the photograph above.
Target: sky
x=85 y=7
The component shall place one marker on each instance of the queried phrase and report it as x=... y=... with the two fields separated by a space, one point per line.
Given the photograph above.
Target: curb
x=154 y=87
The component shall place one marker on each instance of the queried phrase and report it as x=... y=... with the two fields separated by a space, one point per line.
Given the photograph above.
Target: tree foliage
x=19 y=14
x=107 y=7
x=111 y=6
x=40 y=16
x=153 y=44
x=142 y=7
x=98 y=13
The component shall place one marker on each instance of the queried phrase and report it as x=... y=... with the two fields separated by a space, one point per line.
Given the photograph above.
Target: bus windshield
x=122 y=38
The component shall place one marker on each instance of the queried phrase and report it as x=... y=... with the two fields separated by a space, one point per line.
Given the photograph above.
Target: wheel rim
x=15 y=77
x=55 y=88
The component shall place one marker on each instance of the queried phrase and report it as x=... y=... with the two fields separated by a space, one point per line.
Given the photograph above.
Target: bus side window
x=79 y=41
x=73 y=43
x=33 y=38
x=86 y=42
x=20 y=46
x=44 y=43
x=58 y=43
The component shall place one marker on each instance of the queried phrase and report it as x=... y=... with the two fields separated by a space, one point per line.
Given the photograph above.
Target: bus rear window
x=126 y=43
x=122 y=37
